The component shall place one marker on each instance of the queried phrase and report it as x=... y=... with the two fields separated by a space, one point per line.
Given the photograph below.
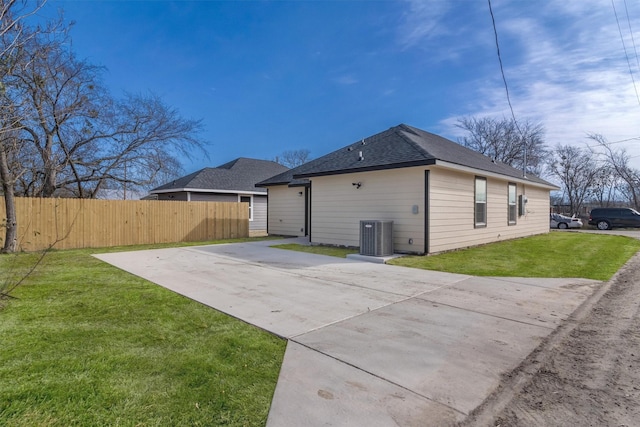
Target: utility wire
x=504 y=79
x=625 y=51
x=506 y=88
x=633 y=41
x=635 y=138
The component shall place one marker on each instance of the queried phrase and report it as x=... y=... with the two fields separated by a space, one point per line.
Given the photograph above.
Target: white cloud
x=571 y=73
x=346 y=80
x=422 y=21
x=436 y=28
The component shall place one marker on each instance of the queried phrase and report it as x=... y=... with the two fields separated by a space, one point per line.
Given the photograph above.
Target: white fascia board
x=207 y=190
x=475 y=171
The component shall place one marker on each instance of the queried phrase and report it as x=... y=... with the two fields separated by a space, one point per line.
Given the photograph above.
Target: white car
x=562 y=221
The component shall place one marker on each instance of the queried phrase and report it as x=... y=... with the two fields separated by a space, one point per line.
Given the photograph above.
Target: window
x=513 y=212
x=248 y=199
x=481 y=202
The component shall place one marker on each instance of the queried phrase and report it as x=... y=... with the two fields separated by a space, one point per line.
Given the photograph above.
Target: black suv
x=607 y=218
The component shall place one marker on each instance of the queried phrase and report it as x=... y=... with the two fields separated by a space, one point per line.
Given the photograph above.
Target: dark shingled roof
x=240 y=175
x=285 y=178
x=398 y=147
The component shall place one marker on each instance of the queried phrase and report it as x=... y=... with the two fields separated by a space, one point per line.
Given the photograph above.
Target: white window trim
x=250 y=196
x=482 y=224
x=513 y=221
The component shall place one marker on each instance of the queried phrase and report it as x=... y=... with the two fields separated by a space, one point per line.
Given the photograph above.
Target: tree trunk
x=48 y=160
x=11 y=225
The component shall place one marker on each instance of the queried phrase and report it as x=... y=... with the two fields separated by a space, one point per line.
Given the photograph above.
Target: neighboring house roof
x=238 y=176
x=285 y=178
x=398 y=147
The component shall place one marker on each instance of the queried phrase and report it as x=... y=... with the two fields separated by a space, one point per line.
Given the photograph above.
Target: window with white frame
x=513 y=208
x=481 y=202
x=249 y=200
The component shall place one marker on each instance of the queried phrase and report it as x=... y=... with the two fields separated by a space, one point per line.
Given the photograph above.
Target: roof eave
x=270 y=184
x=425 y=162
x=289 y=183
x=205 y=190
x=422 y=162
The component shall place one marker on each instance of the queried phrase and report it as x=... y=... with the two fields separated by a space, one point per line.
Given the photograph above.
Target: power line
x=625 y=51
x=635 y=138
x=504 y=79
x=506 y=88
x=633 y=41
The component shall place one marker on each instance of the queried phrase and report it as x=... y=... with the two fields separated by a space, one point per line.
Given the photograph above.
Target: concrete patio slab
x=450 y=355
x=277 y=300
x=370 y=344
x=287 y=293
x=328 y=392
x=386 y=278
x=540 y=302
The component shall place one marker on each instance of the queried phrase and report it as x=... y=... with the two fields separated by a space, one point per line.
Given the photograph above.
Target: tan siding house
x=439 y=195
x=287 y=211
x=234 y=181
x=338 y=206
x=451 y=222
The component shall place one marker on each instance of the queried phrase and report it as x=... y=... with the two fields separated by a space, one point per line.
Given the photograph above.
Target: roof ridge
x=412 y=143
x=227 y=165
x=232 y=163
x=408 y=128
x=192 y=176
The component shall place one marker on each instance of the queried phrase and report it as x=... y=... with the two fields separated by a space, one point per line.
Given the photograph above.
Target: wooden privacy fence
x=90 y=223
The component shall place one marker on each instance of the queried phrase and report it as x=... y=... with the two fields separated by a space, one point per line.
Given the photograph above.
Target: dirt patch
x=588 y=376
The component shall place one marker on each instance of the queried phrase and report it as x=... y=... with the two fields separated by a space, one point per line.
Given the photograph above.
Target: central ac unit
x=376 y=238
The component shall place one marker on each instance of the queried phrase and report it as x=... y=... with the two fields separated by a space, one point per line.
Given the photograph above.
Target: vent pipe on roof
x=360 y=156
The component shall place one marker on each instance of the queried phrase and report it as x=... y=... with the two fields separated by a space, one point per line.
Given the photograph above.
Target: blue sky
x=270 y=76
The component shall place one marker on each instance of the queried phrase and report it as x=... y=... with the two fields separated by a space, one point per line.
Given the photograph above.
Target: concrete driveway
x=369 y=344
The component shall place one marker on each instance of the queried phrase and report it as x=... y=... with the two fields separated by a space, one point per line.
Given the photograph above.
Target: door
x=249 y=200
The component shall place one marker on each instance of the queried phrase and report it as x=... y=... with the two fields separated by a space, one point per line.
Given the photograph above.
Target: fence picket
x=91 y=223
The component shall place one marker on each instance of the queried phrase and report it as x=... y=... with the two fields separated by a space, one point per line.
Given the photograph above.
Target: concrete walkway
x=369 y=344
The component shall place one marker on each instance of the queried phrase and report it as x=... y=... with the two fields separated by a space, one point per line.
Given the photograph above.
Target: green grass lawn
x=86 y=344
x=591 y=256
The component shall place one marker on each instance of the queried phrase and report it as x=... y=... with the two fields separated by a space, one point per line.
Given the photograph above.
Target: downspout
x=426 y=212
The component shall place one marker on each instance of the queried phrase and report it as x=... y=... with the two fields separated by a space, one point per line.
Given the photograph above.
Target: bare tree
x=628 y=178
x=12 y=15
x=294 y=158
x=81 y=136
x=64 y=134
x=127 y=147
x=14 y=35
x=8 y=147
x=60 y=94
x=604 y=188
x=577 y=171
x=506 y=141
